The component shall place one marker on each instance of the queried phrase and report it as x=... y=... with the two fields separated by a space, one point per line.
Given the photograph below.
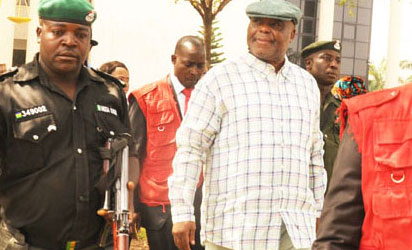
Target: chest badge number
x=30 y=112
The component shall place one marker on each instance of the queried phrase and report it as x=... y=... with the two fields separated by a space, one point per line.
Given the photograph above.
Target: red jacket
x=382 y=126
x=163 y=118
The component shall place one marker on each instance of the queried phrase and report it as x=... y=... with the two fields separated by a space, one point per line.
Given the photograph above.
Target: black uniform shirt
x=49 y=153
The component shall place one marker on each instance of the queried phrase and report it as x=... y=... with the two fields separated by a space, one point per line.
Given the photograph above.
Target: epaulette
x=9 y=73
x=109 y=77
x=371 y=99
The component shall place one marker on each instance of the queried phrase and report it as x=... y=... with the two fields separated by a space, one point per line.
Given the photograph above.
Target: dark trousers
x=161 y=238
x=158 y=224
x=196 y=203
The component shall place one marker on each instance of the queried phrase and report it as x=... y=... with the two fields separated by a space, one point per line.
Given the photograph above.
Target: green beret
x=71 y=11
x=321 y=45
x=275 y=9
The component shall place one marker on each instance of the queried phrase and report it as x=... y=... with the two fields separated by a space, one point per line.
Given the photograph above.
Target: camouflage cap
x=321 y=45
x=71 y=11
x=275 y=9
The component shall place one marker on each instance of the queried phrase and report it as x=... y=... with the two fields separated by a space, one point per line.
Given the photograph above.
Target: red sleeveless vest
x=382 y=126
x=160 y=109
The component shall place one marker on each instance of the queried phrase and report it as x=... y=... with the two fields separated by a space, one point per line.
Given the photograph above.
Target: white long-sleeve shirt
x=256 y=135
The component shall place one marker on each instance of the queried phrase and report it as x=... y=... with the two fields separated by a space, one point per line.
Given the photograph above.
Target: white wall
x=143 y=34
x=32 y=44
x=380 y=29
x=7 y=32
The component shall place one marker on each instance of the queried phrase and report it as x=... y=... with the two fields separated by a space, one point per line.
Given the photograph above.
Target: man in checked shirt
x=253 y=127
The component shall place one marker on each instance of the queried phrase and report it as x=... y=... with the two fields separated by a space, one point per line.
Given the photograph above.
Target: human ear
x=308 y=63
x=38 y=32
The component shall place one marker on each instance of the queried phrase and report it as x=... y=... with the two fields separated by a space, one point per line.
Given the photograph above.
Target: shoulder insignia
x=371 y=99
x=9 y=73
x=109 y=77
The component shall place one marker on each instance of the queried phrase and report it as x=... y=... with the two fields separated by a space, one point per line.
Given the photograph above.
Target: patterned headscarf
x=348 y=86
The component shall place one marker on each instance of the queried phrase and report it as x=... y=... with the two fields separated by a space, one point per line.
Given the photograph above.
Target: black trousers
x=159 y=225
x=196 y=203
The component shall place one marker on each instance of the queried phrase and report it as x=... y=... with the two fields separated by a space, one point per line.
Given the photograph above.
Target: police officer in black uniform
x=54 y=115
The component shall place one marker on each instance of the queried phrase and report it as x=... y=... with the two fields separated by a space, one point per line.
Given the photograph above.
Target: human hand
x=183 y=234
x=133 y=218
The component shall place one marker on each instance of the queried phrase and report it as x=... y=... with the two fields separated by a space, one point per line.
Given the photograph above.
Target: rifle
x=116 y=163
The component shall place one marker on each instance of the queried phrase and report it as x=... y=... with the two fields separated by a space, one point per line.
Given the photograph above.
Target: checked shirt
x=256 y=135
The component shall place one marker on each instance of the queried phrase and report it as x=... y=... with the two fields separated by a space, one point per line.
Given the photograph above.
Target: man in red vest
x=368 y=205
x=158 y=108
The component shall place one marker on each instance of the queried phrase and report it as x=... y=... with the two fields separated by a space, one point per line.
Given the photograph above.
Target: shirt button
x=74 y=108
x=111 y=133
x=326 y=136
x=82 y=198
x=393 y=93
x=79 y=151
x=35 y=137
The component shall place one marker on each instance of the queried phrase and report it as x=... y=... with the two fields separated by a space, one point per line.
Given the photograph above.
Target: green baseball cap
x=321 y=45
x=71 y=11
x=275 y=9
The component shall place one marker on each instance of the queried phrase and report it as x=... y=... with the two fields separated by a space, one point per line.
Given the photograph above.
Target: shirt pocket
x=392 y=203
x=28 y=137
x=108 y=119
x=393 y=156
x=393 y=144
x=161 y=130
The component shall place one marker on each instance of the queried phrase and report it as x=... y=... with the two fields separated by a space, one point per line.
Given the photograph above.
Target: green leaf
x=405 y=64
x=215 y=36
x=342 y=2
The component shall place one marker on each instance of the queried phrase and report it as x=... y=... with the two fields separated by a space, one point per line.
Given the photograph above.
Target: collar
x=29 y=71
x=178 y=87
x=267 y=68
x=330 y=99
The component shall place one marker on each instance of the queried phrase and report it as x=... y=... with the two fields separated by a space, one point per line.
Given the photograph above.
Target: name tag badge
x=30 y=113
x=105 y=109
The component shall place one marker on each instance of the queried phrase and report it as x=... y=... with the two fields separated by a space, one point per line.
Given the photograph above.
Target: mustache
x=263 y=38
x=68 y=53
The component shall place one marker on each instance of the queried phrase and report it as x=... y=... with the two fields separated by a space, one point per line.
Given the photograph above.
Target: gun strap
x=114 y=155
